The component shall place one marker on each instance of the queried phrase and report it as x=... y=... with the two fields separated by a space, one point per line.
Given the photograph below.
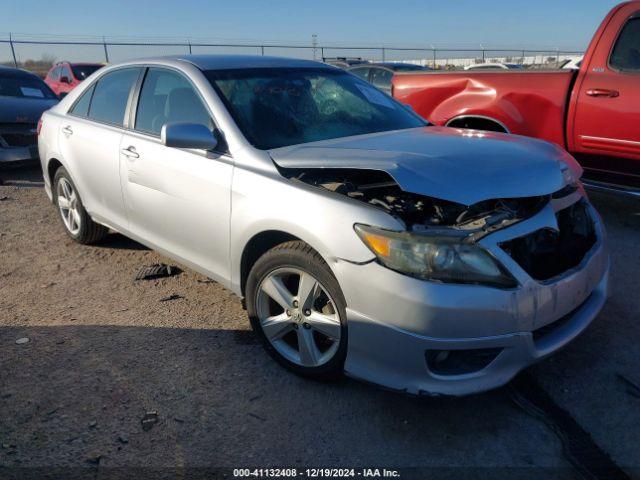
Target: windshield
x=23 y=86
x=288 y=106
x=83 y=71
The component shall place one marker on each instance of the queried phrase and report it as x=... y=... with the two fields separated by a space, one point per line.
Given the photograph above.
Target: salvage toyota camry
x=424 y=259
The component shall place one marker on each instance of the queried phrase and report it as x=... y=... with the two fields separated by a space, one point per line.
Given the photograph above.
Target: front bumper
x=396 y=323
x=18 y=156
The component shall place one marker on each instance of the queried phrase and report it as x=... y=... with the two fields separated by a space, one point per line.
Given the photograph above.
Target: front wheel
x=297 y=309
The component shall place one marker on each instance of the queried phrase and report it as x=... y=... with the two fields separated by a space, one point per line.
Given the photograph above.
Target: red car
x=64 y=76
x=594 y=112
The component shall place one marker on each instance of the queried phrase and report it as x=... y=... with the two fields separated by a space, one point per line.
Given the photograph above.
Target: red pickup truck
x=594 y=113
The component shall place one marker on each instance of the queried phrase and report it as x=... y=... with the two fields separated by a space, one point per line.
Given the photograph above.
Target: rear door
x=178 y=200
x=606 y=129
x=89 y=141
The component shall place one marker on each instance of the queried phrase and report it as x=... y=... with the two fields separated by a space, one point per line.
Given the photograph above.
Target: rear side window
x=110 y=96
x=81 y=108
x=168 y=97
x=363 y=73
x=381 y=78
x=65 y=72
x=626 y=52
x=55 y=74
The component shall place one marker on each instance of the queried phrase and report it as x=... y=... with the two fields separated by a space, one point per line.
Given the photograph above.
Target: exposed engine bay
x=420 y=212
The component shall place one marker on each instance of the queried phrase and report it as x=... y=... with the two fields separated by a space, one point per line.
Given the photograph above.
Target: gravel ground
x=104 y=350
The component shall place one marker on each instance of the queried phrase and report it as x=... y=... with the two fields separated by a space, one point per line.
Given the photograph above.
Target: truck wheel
x=77 y=222
x=298 y=310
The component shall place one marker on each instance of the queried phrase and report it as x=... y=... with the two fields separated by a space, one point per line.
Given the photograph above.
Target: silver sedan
x=363 y=240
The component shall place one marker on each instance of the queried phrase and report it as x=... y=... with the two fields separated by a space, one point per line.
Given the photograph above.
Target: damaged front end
x=421 y=213
x=440 y=241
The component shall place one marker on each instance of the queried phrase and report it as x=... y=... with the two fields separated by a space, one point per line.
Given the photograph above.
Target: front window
x=83 y=71
x=24 y=86
x=168 y=97
x=288 y=106
x=626 y=53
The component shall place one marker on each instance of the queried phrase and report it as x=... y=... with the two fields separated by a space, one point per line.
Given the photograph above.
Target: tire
x=79 y=225
x=327 y=312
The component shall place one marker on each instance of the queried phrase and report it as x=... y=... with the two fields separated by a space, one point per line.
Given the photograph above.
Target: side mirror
x=65 y=80
x=188 y=135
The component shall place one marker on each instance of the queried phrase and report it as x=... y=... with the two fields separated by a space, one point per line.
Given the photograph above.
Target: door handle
x=67 y=130
x=603 y=92
x=130 y=152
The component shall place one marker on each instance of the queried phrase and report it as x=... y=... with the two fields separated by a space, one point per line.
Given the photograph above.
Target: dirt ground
x=104 y=350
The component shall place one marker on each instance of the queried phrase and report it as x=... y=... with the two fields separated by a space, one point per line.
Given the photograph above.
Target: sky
x=543 y=24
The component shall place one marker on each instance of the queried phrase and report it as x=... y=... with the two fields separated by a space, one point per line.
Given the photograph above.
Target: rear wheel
x=297 y=309
x=75 y=219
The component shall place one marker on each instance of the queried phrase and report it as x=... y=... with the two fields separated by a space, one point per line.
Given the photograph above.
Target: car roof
x=392 y=65
x=17 y=71
x=231 y=62
x=78 y=63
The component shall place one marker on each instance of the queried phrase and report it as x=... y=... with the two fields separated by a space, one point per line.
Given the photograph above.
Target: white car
x=426 y=259
x=573 y=64
x=486 y=66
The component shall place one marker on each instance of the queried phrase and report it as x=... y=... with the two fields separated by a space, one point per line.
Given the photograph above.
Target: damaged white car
x=424 y=259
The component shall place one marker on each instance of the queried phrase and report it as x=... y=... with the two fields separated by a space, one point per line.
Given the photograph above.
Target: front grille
x=547 y=253
x=18 y=134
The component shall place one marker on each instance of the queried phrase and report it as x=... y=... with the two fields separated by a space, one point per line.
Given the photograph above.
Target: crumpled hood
x=23 y=110
x=461 y=166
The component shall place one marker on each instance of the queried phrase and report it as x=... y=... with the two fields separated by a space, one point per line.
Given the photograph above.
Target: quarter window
x=626 y=52
x=81 y=108
x=110 y=96
x=168 y=97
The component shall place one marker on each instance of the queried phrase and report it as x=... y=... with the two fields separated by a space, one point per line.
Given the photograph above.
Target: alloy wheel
x=298 y=316
x=68 y=206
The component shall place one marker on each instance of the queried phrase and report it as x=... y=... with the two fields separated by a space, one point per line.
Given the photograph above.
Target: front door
x=177 y=200
x=607 y=120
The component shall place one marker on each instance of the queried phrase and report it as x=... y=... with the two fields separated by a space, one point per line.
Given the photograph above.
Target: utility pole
x=106 y=52
x=13 y=51
x=314 y=44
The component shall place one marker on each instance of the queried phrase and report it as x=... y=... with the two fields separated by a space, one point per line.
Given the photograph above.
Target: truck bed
x=531 y=103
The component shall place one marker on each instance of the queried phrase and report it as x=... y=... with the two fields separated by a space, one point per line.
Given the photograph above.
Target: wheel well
x=258 y=246
x=52 y=168
x=478 y=123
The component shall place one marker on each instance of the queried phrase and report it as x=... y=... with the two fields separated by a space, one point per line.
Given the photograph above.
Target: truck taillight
x=39 y=127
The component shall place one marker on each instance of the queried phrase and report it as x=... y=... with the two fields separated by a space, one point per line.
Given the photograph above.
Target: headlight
x=441 y=258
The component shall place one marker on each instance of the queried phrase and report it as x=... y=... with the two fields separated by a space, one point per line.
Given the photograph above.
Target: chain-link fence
x=38 y=55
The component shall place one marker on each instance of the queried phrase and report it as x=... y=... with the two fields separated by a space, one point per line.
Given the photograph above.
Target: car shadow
x=120 y=242
x=22 y=177
x=86 y=388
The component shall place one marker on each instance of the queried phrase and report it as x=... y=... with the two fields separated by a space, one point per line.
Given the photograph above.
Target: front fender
x=320 y=218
